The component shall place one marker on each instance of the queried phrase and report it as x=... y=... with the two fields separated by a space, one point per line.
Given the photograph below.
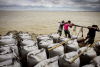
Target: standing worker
x=66 y=25
x=91 y=34
x=61 y=28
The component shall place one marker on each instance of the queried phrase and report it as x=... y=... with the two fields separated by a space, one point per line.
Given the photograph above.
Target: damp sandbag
x=6 y=56
x=10 y=47
x=51 y=62
x=64 y=60
x=45 y=43
x=7 y=41
x=35 y=57
x=87 y=56
x=55 y=37
x=70 y=46
x=56 y=51
x=26 y=42
x=96 y=61
x=63 y=39
x=43 y=37
x=24 y=50
x=15 y=63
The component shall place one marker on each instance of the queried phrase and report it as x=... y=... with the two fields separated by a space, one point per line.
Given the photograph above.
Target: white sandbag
x=71 y=46
x=62 y=39
x=45 y=43
x=87 y=56
x=75 y=36
x=89 y=65
x=23 y=34
x=24 y=37
x=5 y=63
x=7 y=36
x=26 y=42
x=55 y=37
x=14 y=64
x=24 y=50
x=35 y=57
x=7 y=56
x=51 y=62
x=56 y=51
x=96 y=61
x=97 y=48
x=7 y=41
x=66 y=58
x=9 y=47
x=43 y=37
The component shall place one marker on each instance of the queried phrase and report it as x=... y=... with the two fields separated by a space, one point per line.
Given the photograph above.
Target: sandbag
x=9 y=47
x=80 y=39
x=51 y=62
x=43 y=37
x=66 y=58
x=55 y=37
x=96 y=61
x=45 y=43
x=70 y=46
x=15 y=63
x=75 y=36
x=62 y=39
x=87 y=56
x=7 y=36
x=89 y=65
x=23 y=34
x=24 y=50
x=6 y=56
x=26 y=42
x=5 y=63
x=7 y=41
x=56 y=51
x=35 y=57
x=97 y=48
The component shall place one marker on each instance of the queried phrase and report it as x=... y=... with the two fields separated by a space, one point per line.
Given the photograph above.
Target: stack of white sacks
x=36 y=54
x=9 y=55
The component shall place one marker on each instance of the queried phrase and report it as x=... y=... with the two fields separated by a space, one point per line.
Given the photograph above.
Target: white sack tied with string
x=35 y=57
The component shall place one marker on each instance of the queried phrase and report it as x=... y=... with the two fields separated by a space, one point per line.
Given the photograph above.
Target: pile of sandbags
x=9 y=55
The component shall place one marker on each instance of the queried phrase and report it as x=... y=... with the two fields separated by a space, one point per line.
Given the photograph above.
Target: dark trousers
x=67 y=32
x=59 y=32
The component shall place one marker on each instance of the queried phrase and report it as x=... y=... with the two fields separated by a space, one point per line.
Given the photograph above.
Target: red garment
x=66 y=26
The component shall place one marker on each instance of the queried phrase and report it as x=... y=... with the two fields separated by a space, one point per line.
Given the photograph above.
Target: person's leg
x=91 y=40
x=65 y=31
x=68 y=32
x=59 y=32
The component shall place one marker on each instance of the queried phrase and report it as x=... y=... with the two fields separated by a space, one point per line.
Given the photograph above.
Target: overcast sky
x=51 y=5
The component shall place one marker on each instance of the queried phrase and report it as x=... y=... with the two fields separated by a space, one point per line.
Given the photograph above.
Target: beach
x=46 y=22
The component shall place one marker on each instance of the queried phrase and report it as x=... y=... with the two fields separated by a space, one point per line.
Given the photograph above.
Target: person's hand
x=72 y=24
